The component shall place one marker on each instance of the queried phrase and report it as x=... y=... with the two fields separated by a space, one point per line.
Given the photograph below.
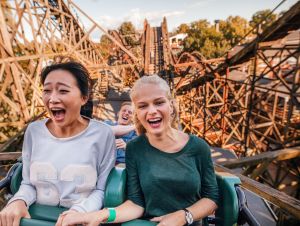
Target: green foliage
x=234 y=29
x=106 y=46
x=204 y=38
x=214 y=42
x=182 y=28
x=127 y=30
x=264 y=17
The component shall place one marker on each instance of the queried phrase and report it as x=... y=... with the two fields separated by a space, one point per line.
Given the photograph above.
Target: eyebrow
x=156 y=99
x=59 y=83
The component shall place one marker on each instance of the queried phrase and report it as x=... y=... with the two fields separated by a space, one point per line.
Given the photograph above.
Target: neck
x=166 y=139
x=69 y=130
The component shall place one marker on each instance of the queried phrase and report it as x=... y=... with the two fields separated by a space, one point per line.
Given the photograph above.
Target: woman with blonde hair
x=171 y=178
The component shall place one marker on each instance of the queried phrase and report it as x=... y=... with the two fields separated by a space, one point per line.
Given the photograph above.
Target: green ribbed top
x=166 y=182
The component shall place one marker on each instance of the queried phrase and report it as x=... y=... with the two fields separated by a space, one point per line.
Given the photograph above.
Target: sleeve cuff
x=19 y=198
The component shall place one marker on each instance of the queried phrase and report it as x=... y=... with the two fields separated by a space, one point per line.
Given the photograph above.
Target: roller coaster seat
x=115 y=194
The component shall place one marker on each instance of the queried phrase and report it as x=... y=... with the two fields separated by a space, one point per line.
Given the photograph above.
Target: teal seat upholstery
x=139 y=223
x=43 y=215
x=228 y=209
x=115 y=194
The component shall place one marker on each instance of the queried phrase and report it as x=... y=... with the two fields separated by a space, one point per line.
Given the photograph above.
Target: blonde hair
x=158 y=81
x=126 y=103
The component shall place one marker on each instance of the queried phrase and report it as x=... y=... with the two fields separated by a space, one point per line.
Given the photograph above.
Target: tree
x=204 y=38
x=128 y=30
x=262 y=19
x=106 y=46
x=182 y=28
x=234 y=29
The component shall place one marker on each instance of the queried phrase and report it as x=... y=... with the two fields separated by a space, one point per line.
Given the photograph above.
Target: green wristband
x=112 y=214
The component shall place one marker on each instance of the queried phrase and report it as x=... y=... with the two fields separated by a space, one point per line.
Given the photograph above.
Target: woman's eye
x=159 y=102
x=46 y=91
x=63 y=91
x=141 y=106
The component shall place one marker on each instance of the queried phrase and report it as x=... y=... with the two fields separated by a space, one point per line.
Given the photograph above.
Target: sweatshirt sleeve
x=27 y=191
x=107 y=158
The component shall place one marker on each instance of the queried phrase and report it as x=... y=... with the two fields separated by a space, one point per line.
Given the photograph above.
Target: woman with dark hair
x=171 y=179
x=66 y=157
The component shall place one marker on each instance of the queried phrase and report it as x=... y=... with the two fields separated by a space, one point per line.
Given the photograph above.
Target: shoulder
x=136 y=144
x=137 y=141
x=199 y=145
x=109 y=122
x=100 y=127
x=36 y=126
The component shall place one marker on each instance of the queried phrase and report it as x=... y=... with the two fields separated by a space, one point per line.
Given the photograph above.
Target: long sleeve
x=209 y=187
x=106 y=162
x=27 y=191
x=134 y=190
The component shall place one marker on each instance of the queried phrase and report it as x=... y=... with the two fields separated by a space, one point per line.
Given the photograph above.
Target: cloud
x=199 y=3
x=136 y=16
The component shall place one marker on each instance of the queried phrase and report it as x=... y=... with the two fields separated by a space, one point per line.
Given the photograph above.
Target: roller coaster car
x=232 y=207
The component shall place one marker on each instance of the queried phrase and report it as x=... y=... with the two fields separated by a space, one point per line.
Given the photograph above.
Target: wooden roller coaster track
x=247 y=102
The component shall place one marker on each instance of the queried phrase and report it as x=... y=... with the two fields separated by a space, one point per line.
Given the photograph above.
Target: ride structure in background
x=246 y=101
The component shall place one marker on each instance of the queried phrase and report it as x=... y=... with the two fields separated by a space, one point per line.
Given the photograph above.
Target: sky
x=111 y=13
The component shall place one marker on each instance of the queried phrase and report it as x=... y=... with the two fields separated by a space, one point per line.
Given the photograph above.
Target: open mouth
x=124 y=118
x=58 y=113
x=154 y=123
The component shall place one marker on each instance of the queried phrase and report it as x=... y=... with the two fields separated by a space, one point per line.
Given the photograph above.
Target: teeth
x=154 y=120
x=56 y=109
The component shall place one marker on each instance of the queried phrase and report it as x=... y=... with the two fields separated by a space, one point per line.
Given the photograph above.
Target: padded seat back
x=228 y=209
x=115 y=194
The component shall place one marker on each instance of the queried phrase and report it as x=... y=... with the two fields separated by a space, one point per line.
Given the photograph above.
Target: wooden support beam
x=10 y=155
x=280 y=155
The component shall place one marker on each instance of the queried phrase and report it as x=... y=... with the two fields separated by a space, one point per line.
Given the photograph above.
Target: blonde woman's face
x=153 y=109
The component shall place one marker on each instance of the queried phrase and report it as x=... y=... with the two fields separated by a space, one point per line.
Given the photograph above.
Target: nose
x=53 y=98
x=152 y=109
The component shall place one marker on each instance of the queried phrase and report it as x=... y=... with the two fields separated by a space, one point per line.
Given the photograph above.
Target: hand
x=88 y=219
x=172 y=219
x=120 y=143
x=12 y=214
x=62 y=215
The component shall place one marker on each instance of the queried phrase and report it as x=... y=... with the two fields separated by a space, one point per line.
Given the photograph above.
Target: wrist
x=188 y=217
x=181 y=217
x=19 y=202
x=103 y=215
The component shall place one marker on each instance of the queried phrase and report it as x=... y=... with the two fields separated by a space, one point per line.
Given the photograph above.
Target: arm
x=17 y=206
x=125 y=212
x=120 y=130
x=27 y=191
x=129 y=210
x=209 y=187
x=107 y=158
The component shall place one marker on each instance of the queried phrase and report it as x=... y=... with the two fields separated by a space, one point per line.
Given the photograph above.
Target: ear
x=172 y=107
x=84 y=99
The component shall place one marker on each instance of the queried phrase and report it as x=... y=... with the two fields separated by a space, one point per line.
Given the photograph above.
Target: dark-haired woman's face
x=62 y=97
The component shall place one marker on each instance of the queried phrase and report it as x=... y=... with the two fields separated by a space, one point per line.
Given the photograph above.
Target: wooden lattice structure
x=33 y=34
x=250 y=102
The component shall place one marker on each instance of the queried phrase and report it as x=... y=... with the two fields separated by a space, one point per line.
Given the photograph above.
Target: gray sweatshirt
x=69 y=172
